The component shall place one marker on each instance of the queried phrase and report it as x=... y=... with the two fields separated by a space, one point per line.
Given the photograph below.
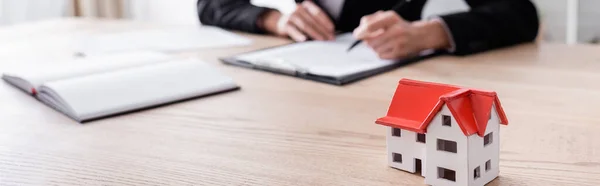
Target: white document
x=325 y=58
x=171 y=39
x=102 y=86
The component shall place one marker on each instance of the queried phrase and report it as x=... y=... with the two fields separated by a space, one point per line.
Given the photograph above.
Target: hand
x=392 y=37
x=307 y=21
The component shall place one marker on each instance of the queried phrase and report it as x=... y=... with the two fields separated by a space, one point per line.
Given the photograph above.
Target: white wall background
x=554 y=17
x=17 y=11
x=589 y=23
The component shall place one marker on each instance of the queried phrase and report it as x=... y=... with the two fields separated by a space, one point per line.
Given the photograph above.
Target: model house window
x=445 y=145
x=397 y=157
x=396 y=132
x=446 y=120
x=420 y=137
x=476 y=173
x=446 y=174
x=487 y=139
x=488 y=165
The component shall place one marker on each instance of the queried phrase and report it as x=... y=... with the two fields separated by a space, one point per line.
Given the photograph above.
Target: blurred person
x=489 y=24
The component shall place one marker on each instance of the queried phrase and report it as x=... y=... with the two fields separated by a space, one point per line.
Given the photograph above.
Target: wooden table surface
x=280 y=130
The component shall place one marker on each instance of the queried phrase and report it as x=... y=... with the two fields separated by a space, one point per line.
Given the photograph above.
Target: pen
x=395 y=8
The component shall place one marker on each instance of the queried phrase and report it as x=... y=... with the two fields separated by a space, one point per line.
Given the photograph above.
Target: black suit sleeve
x=492 y=24
x=230 y=14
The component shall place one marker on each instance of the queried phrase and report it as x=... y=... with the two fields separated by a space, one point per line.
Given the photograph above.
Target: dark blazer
x=489 y=24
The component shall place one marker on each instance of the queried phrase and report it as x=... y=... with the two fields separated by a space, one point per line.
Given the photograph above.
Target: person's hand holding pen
x=392 y=37
x=306 y=22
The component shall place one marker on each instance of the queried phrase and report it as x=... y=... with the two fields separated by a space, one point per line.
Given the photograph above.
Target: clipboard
x=283 y=68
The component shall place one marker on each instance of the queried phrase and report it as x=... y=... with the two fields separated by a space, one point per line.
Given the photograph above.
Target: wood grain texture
x=280 y=130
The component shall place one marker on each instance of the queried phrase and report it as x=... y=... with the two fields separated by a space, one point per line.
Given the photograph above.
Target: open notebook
x=325 y=61
x=96 y=87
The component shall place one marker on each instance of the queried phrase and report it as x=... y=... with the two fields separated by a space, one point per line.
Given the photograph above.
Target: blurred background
x=564 y=21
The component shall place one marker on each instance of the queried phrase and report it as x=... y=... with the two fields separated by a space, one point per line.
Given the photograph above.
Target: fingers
x=295 y=34
x=307 y=23
x=372 y=24
x=396 y=49
x=319 y=15
x=309 y=20
x=360 y=32
x=306 y=27
x=396 y=42
x=389 y=54
x=385 y=47
x=385 y=37
x=381 y=21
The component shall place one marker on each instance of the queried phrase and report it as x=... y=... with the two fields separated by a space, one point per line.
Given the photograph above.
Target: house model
x=447 y=133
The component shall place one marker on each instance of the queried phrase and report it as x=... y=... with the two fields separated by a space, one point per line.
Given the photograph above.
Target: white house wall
x=410 y=149
x=478 y=154
x=454 y=161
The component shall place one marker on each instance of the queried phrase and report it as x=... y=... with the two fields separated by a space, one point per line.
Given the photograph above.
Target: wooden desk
x=280 y=130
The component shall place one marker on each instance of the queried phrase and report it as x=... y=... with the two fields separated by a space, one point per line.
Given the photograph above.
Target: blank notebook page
x=40 y=73
x=108 y=93
x=325 y=58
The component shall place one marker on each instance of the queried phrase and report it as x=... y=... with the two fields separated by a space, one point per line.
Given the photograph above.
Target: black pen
x=395 y=8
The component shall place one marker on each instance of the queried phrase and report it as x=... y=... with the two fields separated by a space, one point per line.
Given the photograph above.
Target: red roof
x=415 y=103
